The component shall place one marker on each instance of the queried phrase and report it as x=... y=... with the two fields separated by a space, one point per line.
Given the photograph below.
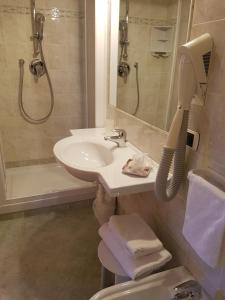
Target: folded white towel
x=134 y=234
x=204 y=224
x=134 y=267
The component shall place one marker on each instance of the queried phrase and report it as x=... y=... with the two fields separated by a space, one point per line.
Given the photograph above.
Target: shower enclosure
x=40 y=100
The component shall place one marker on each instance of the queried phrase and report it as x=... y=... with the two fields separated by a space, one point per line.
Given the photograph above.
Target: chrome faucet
x=119 y=138
x=187 y=290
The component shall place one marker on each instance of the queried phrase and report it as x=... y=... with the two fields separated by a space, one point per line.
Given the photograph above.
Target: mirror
x=145 y=35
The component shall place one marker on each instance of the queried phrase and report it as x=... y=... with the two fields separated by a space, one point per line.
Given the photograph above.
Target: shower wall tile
x=167 y=218
x=75 y=5
x=63 y=47
x=13 y=3
x=142 y=8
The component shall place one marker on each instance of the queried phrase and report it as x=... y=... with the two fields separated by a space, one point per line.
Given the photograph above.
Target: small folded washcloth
x=134 y=267
x=134 y=235
x=139 y=165
x=204 y=224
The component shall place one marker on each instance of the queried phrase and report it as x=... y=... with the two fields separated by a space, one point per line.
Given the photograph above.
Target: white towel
x=134 y=267
x=204 y=223
x=135 y=235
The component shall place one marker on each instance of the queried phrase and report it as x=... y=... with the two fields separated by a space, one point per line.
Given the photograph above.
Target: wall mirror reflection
x=145 y=41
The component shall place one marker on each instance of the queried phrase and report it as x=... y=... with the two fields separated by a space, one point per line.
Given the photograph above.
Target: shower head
x=39 y=22
x=40 y=18
x=127 y=8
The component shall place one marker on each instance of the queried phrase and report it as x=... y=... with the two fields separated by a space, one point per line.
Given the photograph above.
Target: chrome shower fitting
x=124 y=42
x=136 y=65
x=38 y=28
x=123 y=28
x=37 y=21
x=33 y=16
x=123 y=67
x=39 y=24
x=124 y=70
x=38 y=66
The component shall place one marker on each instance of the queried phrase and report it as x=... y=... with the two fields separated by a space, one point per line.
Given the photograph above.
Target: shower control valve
x=37 y=67
x=123 y=70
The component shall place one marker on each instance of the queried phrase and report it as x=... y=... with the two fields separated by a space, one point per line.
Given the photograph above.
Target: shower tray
x=43 y=185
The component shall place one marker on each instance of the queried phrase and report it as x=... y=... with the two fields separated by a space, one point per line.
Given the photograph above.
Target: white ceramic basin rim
x=87 y=155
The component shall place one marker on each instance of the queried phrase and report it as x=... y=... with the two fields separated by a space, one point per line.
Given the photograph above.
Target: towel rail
x=211 y=176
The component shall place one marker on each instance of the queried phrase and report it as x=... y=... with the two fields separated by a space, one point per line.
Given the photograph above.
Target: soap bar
x=219 y=296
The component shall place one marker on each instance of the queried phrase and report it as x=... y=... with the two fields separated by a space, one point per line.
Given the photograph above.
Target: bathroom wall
x=154 y=73
x=63 y=48
x=167 y=218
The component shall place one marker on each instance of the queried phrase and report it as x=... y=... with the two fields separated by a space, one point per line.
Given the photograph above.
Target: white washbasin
x=84 y=158
x=88 y=156
x=155 y=287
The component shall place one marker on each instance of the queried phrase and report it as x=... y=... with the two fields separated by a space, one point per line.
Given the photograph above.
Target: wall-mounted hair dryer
x=194 y=59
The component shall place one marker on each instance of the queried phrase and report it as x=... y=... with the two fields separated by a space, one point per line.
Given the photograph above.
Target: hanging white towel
x=134 y=267
x=134 y=234
x=204 y=224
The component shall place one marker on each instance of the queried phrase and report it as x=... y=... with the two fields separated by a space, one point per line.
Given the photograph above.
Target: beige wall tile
x=208 y=10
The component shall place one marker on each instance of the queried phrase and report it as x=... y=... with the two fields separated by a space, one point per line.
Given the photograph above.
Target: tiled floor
x=49 y=254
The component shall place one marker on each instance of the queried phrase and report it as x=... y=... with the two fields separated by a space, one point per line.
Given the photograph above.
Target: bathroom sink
x=88 y=156
x=158 y=286
x=84 y=159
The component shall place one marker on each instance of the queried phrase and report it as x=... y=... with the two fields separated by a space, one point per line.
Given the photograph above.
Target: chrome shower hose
x=138 y=90
x=23 y=112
